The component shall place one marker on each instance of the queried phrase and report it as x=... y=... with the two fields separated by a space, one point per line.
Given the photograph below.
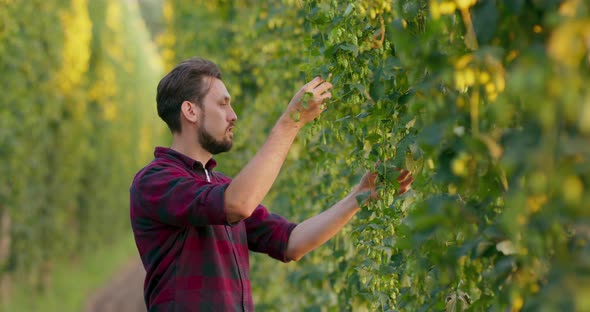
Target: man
x=194 y=226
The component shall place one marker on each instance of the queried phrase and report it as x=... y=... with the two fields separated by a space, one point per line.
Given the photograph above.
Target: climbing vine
x=485 y=101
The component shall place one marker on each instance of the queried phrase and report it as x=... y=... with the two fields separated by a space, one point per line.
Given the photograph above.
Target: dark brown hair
x=184 y=83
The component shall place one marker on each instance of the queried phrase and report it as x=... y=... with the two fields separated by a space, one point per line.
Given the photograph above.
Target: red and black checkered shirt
x=194 y=259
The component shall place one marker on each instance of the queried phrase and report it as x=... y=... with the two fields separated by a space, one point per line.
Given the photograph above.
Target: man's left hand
x=368 y=183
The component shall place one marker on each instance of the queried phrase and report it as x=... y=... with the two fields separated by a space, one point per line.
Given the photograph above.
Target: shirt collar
x=171 y=154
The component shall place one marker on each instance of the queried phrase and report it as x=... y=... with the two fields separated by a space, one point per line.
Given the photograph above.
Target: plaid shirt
x=195 y=260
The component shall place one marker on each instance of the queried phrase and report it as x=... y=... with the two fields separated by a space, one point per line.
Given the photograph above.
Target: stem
x=470 y=38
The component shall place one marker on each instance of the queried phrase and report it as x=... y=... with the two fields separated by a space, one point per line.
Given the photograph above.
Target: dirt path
x=124 y=293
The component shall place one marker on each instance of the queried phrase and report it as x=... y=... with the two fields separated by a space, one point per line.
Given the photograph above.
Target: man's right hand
x=303 y=109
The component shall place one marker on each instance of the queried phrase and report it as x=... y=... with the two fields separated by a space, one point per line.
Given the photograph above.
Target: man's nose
x=233 y=116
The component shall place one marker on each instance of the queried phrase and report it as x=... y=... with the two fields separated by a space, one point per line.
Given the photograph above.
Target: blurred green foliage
x=151 y=13
x=76 y=122
x=485 y=101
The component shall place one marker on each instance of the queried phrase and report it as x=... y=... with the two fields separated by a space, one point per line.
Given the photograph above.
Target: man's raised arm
x=251 y=185
x=318 y=229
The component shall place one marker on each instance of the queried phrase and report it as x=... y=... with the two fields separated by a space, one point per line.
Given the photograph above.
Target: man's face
x=217 y=119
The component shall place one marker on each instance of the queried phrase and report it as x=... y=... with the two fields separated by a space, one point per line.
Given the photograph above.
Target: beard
x=210 y=144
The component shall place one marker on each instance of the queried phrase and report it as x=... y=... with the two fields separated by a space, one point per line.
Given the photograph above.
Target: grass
x=72 y=285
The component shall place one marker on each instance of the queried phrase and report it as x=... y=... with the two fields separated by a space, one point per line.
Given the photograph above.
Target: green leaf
x=506 y=247
x=305 y=100
x=296 y=116
x=458 y=301
x=349 y=9
x=362 y=198
x=350 y=48
x=514 y=6
x=485 y=20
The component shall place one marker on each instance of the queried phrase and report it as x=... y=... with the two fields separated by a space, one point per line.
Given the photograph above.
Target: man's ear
x=190 y=111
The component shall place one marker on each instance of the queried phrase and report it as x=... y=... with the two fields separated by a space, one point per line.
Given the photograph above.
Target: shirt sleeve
x=268 y=233
x=174 y=197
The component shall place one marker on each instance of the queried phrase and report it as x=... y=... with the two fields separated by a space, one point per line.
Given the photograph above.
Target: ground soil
x=123 y=293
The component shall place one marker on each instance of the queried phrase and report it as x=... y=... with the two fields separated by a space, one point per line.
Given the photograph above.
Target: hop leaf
x=305 y=100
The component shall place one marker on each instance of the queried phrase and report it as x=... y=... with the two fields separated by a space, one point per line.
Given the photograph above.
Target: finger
x=403 y=175
x=323 y=87
x=370 y=177
x=404 y=187
x=325 y=96
x=403 y=191
x=314 y=83
x=407 y=182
